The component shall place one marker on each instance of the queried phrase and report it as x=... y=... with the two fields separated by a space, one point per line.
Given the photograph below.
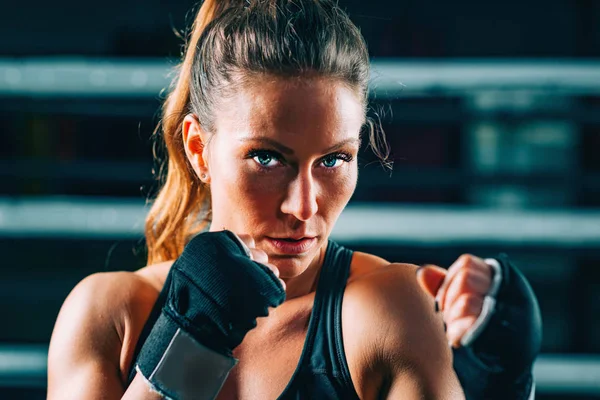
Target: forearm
x=140 y=389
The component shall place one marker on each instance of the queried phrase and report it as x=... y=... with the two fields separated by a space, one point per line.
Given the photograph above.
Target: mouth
x=292 y=245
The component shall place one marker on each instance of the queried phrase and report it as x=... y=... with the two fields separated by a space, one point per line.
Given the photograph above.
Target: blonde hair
x=231 y=42
x=177 y=212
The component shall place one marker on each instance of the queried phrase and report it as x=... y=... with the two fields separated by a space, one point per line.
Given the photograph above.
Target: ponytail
x=182 y=206
x=231 y=43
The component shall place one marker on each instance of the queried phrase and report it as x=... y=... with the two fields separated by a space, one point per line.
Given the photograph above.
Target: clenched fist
x=460 y=294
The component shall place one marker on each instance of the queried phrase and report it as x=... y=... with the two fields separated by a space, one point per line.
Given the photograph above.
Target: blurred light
x=360 y=222
x=390 y=78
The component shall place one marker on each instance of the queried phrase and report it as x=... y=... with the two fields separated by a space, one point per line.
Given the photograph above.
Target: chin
x=293 y=265
x=290 y=266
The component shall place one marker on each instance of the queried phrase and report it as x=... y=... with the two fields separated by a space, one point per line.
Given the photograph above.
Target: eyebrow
x=286 y=150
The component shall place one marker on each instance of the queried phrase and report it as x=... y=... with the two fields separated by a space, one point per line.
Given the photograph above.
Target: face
x=281 y=165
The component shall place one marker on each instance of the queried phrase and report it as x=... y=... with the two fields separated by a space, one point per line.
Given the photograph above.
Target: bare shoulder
x=389 y=294
x=155 y=274
x=385 y=297
x=391 y=328
x=363 y=264
x=96 y=327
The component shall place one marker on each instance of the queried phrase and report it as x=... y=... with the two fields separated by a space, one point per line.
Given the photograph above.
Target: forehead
x=310 y=109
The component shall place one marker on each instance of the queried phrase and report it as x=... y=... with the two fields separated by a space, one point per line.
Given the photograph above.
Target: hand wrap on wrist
x=215 y=293
x=498 y=363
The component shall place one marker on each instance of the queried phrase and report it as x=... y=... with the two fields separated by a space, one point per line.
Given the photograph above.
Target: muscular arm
x=406 y=337
x=86 y=350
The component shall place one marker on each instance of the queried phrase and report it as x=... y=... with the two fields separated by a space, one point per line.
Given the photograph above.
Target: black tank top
x=322 y=371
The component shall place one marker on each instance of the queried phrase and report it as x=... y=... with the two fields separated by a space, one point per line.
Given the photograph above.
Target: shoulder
x=97 y=324
x=391 y=295
x=387 y=297
x=364 y=264
x=374 y=278
x=392 y=320
x=102 y=297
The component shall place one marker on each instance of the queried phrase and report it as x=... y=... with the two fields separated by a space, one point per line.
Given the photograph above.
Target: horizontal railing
x=82 y=77
x=25 y=366
x=377 y=223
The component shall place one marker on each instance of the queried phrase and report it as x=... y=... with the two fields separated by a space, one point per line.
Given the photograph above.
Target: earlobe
x=194 y=146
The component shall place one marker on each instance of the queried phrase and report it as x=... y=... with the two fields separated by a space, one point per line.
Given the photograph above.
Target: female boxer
x=263 y=129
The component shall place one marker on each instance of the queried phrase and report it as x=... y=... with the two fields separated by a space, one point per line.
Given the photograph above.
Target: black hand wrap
x=215 y=293
x=498 y=364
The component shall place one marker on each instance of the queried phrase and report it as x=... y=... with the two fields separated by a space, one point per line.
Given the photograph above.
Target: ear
x=194 y=139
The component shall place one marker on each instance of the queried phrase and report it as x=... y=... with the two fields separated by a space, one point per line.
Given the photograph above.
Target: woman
x=263 y=129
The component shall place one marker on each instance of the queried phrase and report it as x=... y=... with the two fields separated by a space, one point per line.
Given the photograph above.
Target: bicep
x=91 y=380
x=83 y=359
x=409 y=343
x=420 y=360
x=424 y=384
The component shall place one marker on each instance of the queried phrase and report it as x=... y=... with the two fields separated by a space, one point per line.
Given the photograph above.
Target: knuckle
x=247 y=239
x=463 y=279
x=468 y=304
x=272 y=267
x=467 y=259
x=259 y=253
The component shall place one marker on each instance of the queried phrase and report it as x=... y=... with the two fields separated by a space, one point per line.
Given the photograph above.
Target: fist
x=258 y=255
x=459 y=292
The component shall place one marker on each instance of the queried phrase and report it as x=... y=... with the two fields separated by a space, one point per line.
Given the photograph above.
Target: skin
x=307 y=134
x=459 y=292
x=294 y=193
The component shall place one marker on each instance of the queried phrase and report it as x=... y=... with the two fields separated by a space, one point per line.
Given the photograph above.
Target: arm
x=84 y=359
x=405 y=336
x=188 y=352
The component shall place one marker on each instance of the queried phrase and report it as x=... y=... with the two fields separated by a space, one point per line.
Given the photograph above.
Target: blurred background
x=492 y=111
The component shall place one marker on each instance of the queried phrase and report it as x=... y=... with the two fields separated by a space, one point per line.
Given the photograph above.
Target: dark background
x=530 y=149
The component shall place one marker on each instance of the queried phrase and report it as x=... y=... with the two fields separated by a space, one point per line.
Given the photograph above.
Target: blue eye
x=263 y=159
x=331 y=161
x=334 y=160
x=266 y=159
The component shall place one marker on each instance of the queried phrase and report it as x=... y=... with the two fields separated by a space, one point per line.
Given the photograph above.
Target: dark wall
x=415 y=28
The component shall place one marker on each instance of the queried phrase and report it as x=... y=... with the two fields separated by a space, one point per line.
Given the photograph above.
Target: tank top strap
x=326 y=347
x=322 y=371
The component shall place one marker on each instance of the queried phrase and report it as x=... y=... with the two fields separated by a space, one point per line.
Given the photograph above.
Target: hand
x=459 y=292
x=218 y=290
x=215 y=291
x=259 y=256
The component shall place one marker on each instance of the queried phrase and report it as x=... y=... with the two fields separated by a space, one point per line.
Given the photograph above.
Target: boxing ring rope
x=390 y=78
x=370 y=223
x=26 y=366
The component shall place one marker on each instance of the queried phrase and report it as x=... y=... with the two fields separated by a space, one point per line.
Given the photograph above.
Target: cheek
x=257 y=194
x=258 y=188
x=336 y=190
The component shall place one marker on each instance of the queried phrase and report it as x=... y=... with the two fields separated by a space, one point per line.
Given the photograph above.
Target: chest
x=269 y=356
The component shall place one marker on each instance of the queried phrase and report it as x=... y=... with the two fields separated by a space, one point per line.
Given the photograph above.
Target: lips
x=292 y=245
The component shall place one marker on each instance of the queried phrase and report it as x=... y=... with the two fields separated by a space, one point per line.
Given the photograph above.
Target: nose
x=301 y=198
